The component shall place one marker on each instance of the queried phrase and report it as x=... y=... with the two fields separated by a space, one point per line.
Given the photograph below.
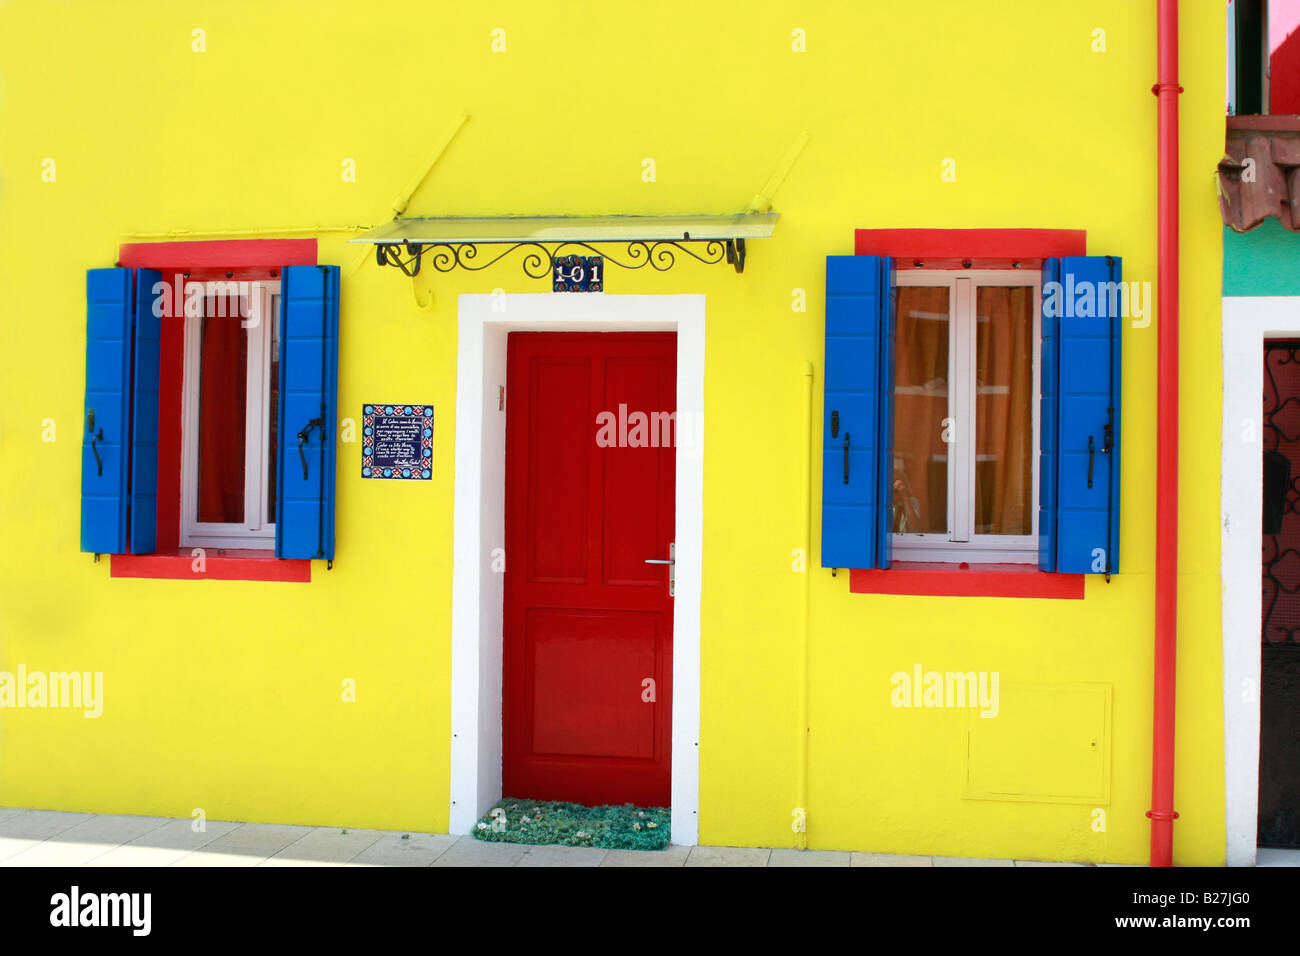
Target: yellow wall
x=226 y=696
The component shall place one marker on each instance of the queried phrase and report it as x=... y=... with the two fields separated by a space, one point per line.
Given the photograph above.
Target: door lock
x=672 y=567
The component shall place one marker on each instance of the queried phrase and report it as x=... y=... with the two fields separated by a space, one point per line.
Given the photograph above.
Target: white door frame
x=478 y=591
x=1247 y=322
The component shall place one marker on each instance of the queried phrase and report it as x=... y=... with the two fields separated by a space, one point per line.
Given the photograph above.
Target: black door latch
x=95 y=436
x=302 y=440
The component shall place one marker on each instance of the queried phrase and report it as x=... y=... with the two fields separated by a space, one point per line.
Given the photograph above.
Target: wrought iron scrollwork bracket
x=658 y=254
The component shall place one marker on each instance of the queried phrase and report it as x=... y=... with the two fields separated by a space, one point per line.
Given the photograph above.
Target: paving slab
x=562 y=856
x=113 y=830
x=467 y=851
x=1267 y=856
x=57 y=853
x=40 y=824
x=181 y=835
x=265 y=839
x=969 y=861
x=413 y=849
x=787 y=857
x=669 y=856
x=165 y=845
x=132 y=854
x=12 y=846
x=1047 y=863
x=728 y=856
x=890 y=859
x=230 y=856
x=329 y=845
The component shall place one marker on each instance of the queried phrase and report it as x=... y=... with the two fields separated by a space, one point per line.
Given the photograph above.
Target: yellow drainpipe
x=805 y=599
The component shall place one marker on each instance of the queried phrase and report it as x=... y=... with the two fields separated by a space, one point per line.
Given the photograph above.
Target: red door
x=590 y=469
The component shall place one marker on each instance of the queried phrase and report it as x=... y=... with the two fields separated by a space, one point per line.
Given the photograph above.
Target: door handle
x=672 y=567
x=846 y=458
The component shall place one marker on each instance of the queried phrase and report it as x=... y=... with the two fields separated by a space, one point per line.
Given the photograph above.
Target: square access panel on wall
x=1048 y=743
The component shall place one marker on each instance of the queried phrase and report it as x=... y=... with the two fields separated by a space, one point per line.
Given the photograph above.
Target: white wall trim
x=478 y=592
x=1247 y=322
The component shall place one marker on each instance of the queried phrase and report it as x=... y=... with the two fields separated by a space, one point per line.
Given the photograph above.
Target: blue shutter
x=107 y=411
x=144 y=415
x=309 y=326
x=885 y=429
x=854 y=530
x=1080 y=474
x=1047 y=454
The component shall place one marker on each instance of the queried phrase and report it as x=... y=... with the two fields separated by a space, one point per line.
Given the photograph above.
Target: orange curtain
x=1004 y=341
x=920 y=499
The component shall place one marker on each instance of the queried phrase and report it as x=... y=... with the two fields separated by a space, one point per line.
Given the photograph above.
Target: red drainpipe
x=1162 y=757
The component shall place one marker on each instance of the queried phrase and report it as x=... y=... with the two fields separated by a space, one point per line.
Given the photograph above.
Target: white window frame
x=254 y=531
x=960 y=543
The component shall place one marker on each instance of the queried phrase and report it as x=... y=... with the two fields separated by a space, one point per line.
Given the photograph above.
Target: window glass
x=223 y=372
x=1004 y=382
x=920 y=499
x=273 y=410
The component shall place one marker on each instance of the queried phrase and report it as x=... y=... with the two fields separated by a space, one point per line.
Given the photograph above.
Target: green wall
x=1264 y=261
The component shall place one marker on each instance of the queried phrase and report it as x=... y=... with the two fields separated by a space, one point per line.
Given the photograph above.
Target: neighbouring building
x=1259 y=198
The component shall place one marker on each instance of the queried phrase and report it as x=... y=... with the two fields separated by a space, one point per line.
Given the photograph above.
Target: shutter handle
x=302 y=439
x=94 y=437
x=1091 y=452
x=846 y=458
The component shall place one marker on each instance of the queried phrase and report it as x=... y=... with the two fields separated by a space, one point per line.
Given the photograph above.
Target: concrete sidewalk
x=49 y=838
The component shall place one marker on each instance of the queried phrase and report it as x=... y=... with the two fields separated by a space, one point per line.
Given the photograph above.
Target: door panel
x=590 y=717
x=587 y=670
x=636 y=483
x=557 y=536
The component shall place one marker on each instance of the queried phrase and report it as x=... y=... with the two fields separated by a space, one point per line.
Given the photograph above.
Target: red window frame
x=241 y=259
x=968 y=249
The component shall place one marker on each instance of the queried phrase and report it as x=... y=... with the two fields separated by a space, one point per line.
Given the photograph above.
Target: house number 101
x=578 y=273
